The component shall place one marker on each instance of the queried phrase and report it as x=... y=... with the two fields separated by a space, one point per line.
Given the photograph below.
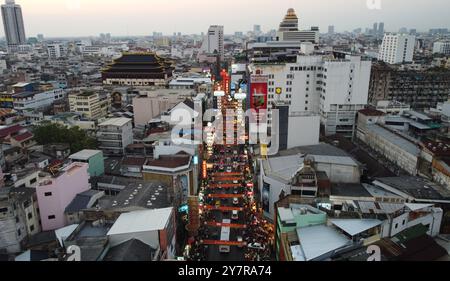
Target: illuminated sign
x=205 y=172
x=278 y=91
x=258 y=92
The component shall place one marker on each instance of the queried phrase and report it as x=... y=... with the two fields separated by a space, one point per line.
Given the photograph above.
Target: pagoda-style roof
x=143 y=65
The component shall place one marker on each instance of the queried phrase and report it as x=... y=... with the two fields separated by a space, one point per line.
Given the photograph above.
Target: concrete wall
x=303 y=131
x=63 y=189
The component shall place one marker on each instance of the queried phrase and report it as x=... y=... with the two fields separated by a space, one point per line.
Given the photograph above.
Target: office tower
x=397 y=48
x=331 y=29
x=335 y=89
x=375 y=28
x=413 y=31
x=288 y=30
x=403 y=30
x=40 y=37
x=381 y=28
x=13 y=24
x=214 y=41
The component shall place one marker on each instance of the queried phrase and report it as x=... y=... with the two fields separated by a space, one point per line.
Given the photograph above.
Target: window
x=52 y=217
x=30 y=216
x=19 y=233
x=3 y=210
x=32 y=228
x=33 y=180
x=47 y=194
x=396 y=225
x=404 y=222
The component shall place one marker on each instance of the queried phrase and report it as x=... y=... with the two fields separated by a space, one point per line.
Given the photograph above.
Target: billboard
x=258 y=92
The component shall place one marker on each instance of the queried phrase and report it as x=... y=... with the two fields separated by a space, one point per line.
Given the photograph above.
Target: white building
x=397 y=48
x=214 y=41
x=56 y=50
x=334 y=88
x=30 y=100
x=114 y=135
x=441 y=47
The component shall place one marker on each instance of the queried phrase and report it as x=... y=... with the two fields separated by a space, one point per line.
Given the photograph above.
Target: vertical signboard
x=204 y=170
x=193 y=213
x=258 y=92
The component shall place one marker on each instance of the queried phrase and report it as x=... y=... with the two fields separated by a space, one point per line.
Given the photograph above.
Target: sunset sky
x=142 y=17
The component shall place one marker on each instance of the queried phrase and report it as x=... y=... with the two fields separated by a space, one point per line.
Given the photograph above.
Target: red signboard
x=258 y=92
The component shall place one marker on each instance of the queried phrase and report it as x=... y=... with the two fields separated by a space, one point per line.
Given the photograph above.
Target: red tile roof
x=23 y=137
x=10 y=130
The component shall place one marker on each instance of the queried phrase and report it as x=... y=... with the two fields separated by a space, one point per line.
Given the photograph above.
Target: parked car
x=256 y=246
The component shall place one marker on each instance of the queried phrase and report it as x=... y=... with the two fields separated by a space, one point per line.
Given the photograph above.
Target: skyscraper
x=13 y=24
x=375 y=28
x=381 y=28
x=289 y=31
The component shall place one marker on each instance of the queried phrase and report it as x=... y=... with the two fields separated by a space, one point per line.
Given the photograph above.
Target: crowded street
x=231 y=225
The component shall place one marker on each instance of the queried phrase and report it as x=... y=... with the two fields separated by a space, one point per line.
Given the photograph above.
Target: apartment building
x=56 y=190
x=92 y=105
x=397 y=48
x=114 y=135
x=421 y=89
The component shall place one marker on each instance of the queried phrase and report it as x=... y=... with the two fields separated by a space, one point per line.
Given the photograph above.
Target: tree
x=56 y=133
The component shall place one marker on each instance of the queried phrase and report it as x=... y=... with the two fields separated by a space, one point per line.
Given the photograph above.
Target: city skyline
x=140 y=17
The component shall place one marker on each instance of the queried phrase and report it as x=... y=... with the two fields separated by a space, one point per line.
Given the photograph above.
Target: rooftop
x=349 y=190
x=119 y=122
x=355 y=226
x=131 y=250
x=141 y=221
x=85 y=154
x=319 y=240
x=415 y=187
x=395 y=139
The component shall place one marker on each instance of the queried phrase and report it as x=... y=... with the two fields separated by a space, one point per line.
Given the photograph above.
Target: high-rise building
x=316 y=85
x=381 y=28
x=289 y=31
x=331 y=29
x=214 y=41
x=13 y=24
x=375 y=28
x=441 y=47
x=397 y=48
x=257 y=29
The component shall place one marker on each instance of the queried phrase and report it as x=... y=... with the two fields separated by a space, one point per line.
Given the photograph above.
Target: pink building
x=55 y=193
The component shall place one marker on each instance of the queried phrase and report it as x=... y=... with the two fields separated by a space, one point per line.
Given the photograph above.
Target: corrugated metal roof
x=356 y=226
x=319 y=240
x=141 y=221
